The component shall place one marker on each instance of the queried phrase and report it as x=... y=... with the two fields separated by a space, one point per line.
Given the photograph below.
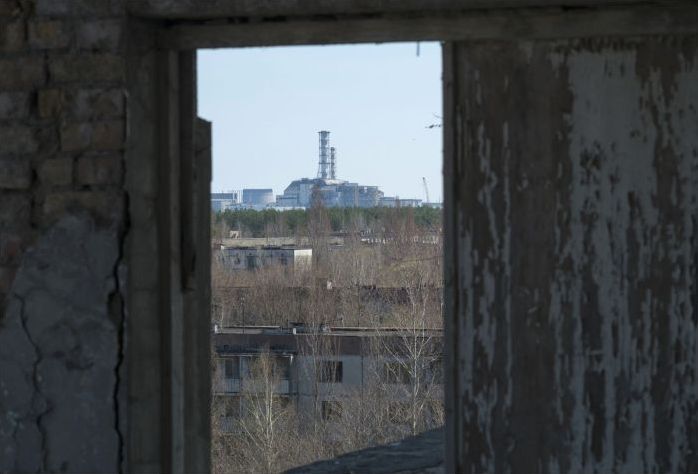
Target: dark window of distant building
x=396 y=372
x=282 y=367
x=232 y=368
x=330 y=372
x=331 y=410
x=246 y=363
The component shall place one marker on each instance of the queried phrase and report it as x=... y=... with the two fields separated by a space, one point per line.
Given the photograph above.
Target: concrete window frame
x=168 y=175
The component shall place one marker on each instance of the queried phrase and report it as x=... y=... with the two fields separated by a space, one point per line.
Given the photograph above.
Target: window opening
x=232 y=368
x=327 y=245
x=331 y=372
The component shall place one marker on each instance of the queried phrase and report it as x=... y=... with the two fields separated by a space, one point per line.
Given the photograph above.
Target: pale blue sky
x=267 y=105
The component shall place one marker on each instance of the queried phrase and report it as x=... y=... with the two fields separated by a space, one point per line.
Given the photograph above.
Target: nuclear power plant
x=325 y=189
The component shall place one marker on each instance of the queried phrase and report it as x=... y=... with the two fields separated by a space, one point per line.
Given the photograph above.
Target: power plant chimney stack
x=324 y=164
x=333 y=163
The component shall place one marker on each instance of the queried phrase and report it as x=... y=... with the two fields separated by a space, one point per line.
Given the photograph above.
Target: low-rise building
x=252 y=258
x=221 y=202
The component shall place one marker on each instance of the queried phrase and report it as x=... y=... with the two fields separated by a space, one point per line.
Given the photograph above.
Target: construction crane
x=426 y=188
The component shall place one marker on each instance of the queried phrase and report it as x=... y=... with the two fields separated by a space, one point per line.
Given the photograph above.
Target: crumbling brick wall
x=62 y=206
x=62 y=118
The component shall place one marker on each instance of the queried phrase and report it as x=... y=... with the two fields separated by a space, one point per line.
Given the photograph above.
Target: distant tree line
x=274 y=223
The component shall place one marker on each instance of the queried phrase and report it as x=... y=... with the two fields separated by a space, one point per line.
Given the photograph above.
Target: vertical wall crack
x=117 y=310
x=40 y=405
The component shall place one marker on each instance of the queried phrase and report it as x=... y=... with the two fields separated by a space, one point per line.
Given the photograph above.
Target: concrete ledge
x=418 y=454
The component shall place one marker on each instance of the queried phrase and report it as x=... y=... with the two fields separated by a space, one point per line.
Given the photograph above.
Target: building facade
x=257 y=197
x=330 y=192
x=321 y=371
x=221 y=202
x=252 y=258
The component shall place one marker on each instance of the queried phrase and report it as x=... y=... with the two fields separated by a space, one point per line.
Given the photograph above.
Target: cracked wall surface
x=62 y=219
x=59 y=351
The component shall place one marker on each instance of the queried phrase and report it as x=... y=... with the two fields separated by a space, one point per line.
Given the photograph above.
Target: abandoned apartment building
x=320 y=370
x=570 y=229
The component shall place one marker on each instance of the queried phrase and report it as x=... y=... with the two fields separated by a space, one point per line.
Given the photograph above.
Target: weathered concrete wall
x=575 y=199
x=60 y=356
x=62 y=207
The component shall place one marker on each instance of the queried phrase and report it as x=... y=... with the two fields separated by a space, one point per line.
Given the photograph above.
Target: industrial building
x=245 y=199
x=326 y=187
x=223 y=201
x=397 y=202
x=257 y=197
x=300 y=194
x=326 y=364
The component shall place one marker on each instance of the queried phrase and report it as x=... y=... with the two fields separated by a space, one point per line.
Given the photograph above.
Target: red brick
x=56 y=172
x=18 y=140
x=103 y=35
x=50 y=102
x=22 y=73
x=15 y=173
x=12 y=36
x=100 y=169
x=87 y=67
x=48 y=35
x=103 y=204
x=91 y=104
x=100 y=136
x=14 y=105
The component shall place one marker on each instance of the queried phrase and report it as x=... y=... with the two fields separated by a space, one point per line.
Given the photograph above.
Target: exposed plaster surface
x=577 y=219
x=59 y=349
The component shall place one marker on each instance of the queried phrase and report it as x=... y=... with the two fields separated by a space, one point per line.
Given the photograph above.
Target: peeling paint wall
x=576 y=213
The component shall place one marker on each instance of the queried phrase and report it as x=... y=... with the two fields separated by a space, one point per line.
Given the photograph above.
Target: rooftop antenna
x=333 y=163
x=323 y=165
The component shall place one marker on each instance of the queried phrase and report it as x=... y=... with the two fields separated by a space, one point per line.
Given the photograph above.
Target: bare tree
x=266 y=422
